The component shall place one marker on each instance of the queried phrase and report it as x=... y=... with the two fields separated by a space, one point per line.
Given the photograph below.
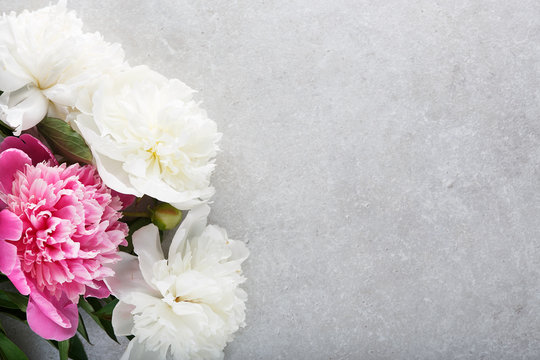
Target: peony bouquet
x=97 y=160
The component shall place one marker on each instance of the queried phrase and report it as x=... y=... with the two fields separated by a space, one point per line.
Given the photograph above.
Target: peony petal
x=128 y=278
x=50 y=318
x=12 y=75
x=127 y=353
x=193 y=225
x=101 y=292
x=116 y=180
x=8 y=257
x=10 y=265
x=10 y=226
x=11 y=161
x=23 y=108
x=10 y=229
x=31 y=146
x=147 y=245
x=137 y=351
x=158 y=189
x=122 y=319
x=126 y=199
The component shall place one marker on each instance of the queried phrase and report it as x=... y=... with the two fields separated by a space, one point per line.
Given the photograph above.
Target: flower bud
x=165 y=216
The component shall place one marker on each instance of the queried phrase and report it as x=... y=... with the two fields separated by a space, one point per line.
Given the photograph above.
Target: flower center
x=180 y=299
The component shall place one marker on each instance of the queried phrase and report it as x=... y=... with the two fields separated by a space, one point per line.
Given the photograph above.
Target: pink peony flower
x=70 y=231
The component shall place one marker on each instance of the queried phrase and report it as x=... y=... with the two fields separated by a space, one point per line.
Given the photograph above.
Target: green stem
x=143 y=214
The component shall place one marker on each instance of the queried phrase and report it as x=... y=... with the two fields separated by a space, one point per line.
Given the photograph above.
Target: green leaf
x=65 y=140
x=106 y=311
x=82 y=329
x=13 y=300
x=83 y=304
x=6 y=303
x=5 y=131
x=96 y=303
x=9 y=350
x=63 y=349
x=76 y=349
x=14 y=313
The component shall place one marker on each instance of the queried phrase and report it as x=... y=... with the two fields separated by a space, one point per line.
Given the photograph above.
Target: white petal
x=128 y=278
x=127 y=353
x=193 y=224
x=12 y=75
x=158 y=189
x=137 y=351
x=122 y=319
x=23 y=108
x=147 y=244
x=86 y=126
x=112 y=175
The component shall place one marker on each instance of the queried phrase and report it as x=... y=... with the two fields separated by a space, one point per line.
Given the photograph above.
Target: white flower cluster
x=148 y=136
x=188 y=305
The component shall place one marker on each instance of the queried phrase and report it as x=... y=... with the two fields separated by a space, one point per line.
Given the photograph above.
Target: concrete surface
x=381 y=158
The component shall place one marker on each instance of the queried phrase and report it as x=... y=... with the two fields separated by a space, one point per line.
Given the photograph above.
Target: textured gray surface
x=381 y=158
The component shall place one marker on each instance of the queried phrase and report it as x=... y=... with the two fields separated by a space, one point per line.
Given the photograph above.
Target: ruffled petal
x=102 y=291
x=126 y=199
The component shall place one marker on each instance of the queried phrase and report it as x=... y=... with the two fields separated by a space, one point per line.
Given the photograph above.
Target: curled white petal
x=23 y=109
x=147 y=245
x=122 y=319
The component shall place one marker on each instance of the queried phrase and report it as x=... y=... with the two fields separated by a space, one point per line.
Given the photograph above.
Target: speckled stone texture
x=380 y=157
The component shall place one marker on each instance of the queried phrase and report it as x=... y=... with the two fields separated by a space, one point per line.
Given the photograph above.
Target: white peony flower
x=45 y=61
x=187 y=306
x=149 y=136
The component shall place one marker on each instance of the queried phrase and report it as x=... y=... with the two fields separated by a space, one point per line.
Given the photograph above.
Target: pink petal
x=10 y=229
x=11 y=161
x=31 y=146
x=126 y=199
x=50 y=318
x=10 y=226
x=101 y=292
x=8 y=257
x=18 y=278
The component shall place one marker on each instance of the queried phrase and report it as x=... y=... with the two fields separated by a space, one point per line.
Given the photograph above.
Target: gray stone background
x=380 y=157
